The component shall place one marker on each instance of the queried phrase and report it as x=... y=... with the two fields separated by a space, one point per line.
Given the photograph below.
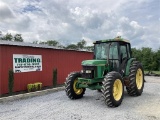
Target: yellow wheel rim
x=117 y=89
x=139 y=78
x=77 y=91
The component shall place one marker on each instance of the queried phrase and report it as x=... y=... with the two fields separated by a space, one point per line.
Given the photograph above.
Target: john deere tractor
x=111 y=69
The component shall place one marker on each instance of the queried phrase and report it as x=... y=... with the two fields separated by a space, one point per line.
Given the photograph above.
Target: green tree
x=147 y=59
x=154 y=64
x=18 y=38
x=81 y=45
x=43 y=43
x=158 y=59
x=0 y=35
x=35 y=42
x=137 y=53
x=61 y=46
x=52 y=43
x=7 y=37
x=72 y=47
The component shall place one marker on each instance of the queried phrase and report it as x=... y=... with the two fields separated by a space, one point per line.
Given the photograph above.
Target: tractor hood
x=94 y=62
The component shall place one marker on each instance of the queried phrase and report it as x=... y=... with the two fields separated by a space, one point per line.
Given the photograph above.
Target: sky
x=69 y=21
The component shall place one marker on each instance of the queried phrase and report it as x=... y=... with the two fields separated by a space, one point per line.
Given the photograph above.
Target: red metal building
x=65 y=61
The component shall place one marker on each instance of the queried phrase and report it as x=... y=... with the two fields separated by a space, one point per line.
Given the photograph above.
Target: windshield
x=101 y=51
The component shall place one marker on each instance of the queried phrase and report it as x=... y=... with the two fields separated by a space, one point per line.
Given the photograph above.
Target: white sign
x=27 y=63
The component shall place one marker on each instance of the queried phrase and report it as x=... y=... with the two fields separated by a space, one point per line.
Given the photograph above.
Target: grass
x=156 y=72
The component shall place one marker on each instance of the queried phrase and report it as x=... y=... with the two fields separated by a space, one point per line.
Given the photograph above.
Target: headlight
x=88 y=71
x=81 y=71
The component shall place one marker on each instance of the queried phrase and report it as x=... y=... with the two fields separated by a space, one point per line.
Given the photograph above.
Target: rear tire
x=136 y=79
x=113 y=89
x=70 y=86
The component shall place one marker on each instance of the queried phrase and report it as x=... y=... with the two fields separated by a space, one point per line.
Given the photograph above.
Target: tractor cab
x=116 y=52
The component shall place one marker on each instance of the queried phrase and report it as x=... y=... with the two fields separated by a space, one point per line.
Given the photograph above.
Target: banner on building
x=27 y=63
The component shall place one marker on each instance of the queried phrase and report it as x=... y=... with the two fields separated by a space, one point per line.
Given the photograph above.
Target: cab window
x=123 y=51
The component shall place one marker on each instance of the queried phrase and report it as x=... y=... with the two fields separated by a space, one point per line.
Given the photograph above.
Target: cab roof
x=117 y=39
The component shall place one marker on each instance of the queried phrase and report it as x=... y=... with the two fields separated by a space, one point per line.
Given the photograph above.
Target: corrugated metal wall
x=65 y=61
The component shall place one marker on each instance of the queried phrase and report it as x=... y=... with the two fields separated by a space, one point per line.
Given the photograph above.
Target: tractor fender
x=128 y=65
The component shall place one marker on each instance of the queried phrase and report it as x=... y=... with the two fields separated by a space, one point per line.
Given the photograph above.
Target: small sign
x=27 y=63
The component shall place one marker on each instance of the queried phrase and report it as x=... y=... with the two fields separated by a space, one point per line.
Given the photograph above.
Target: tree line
x=150 y=59
x=81 y=45
x=10 y=37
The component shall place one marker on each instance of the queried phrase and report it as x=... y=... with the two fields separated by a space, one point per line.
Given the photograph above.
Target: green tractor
x=111 y=69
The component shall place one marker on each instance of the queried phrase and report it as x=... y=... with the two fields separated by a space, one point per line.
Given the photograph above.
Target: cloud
x=70 y=21
x=5 y=12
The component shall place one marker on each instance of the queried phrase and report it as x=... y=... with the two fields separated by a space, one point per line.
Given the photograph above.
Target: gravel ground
x=57 y=106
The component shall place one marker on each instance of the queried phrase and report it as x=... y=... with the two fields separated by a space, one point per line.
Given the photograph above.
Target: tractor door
x=124 y=50
x=114 y=57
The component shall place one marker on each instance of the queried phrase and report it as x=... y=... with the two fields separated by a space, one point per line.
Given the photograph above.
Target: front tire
x=70 y=86
x=136 y=79
x=113 y=89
